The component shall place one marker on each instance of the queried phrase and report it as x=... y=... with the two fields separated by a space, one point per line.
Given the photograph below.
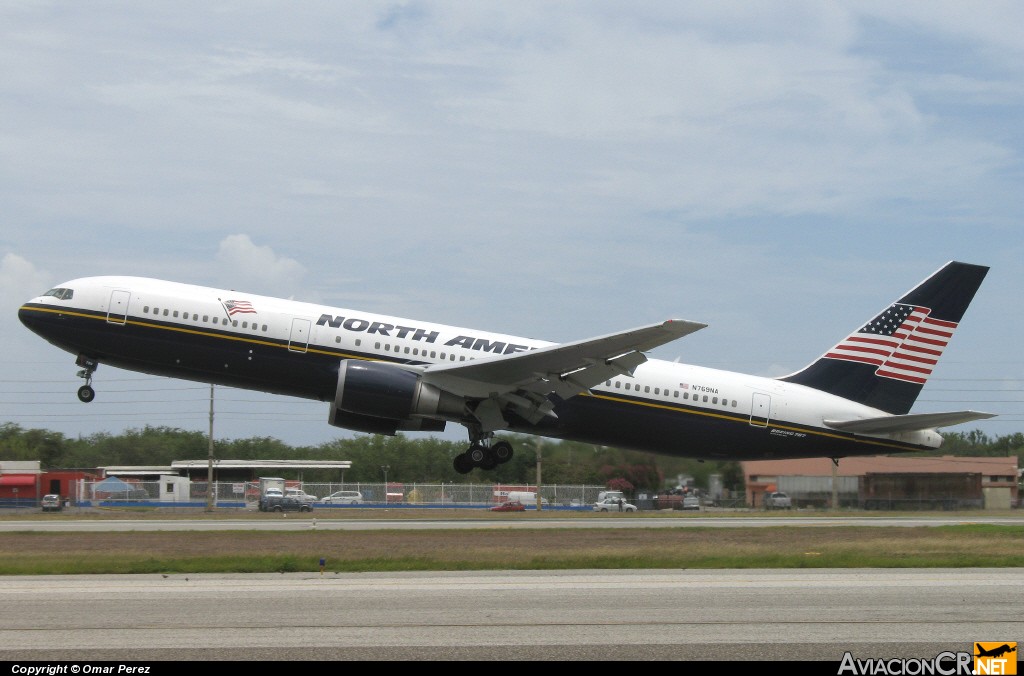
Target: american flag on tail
x=234 y=307
x=904 y=342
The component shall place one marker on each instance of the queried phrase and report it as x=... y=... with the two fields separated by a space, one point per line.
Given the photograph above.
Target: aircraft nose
x=32 y=318
x=25 y=315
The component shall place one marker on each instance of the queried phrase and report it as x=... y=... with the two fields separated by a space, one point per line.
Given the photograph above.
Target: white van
x=527 y=498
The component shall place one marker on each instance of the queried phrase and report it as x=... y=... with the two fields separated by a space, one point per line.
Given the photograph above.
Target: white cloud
x=257 y=268
x=19 y=281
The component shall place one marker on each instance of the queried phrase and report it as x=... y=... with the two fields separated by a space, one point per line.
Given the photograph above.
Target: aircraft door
x=117 y=311
x=298 y=341
x=760 y=409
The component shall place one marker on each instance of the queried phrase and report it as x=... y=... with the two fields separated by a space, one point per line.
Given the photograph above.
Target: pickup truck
x=777 y=500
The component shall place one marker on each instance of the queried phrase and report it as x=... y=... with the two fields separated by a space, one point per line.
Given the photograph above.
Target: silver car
x=51 y=503
x=612 y=505
x=777 y=500
x=343 y=498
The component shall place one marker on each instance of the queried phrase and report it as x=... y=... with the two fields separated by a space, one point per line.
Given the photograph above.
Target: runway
x=574 y=615
x=722 y=615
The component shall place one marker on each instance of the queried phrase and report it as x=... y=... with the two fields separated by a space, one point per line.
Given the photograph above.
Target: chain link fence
x=181 y=492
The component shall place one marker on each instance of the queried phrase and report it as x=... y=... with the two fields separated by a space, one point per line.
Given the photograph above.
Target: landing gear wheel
x=502 y=452
x=490 y=460
x=86 y=393
x=477 y=454
x=462 y=463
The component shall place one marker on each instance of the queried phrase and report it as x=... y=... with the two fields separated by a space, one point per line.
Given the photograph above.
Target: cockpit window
x=60 y=293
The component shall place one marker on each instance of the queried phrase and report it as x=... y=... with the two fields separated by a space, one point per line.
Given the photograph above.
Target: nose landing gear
x=85 y=392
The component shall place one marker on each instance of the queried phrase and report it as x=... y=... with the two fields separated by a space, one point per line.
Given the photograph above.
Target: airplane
x=994 y=652
x=384 y=375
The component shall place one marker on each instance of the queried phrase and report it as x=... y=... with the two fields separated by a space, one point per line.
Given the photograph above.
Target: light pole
x=385 y=468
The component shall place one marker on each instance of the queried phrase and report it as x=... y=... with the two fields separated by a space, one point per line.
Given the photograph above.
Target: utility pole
x=210 y=502
x=538 y=473
x=835 y=484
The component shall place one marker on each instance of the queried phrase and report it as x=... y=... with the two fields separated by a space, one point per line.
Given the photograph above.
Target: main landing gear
x=85 y=392
x=483 y=454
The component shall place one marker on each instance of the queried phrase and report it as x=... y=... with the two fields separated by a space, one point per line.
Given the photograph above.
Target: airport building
x=888 y=482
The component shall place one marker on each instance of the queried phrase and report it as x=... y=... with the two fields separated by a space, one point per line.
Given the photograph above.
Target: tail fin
x=886 y=362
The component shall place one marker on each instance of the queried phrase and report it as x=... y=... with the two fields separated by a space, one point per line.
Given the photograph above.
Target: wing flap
x=907 y=423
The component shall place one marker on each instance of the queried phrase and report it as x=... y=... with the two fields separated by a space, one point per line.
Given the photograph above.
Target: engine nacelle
x=381 y=398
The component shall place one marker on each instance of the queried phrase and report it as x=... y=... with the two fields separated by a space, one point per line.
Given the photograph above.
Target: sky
x=553 y=170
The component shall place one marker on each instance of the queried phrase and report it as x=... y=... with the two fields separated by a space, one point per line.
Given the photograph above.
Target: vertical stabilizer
x=887 y=361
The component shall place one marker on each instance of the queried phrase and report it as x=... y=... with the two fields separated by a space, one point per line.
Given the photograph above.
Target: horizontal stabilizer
x=907 y=423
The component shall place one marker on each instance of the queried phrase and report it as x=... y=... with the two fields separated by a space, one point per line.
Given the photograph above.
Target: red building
x=23 y=483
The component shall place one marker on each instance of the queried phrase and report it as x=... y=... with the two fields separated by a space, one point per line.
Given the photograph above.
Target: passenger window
x=145 y=309
x=206 y=318
x=705 y=398
x=618 y=384
x=165 y=313
x=359 y=341
x=647 y=389
x=235 y=323
x=657 y=391
x=245 y=325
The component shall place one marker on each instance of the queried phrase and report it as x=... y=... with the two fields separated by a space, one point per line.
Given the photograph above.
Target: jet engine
x=381 y=398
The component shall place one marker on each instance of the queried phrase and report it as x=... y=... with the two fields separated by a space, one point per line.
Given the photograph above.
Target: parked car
x=691 y=502
x=343 y=498
x=777 y=500
x=299 y=494
x=509 y=506
x=51 y=503
x=284 y=504
x=612 y=505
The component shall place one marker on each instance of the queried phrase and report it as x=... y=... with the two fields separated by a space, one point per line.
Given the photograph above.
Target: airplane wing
x=522 y=381
x=908 y=422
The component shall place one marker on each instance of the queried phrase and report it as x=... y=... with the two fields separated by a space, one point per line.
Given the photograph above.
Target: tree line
x=416 y=460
